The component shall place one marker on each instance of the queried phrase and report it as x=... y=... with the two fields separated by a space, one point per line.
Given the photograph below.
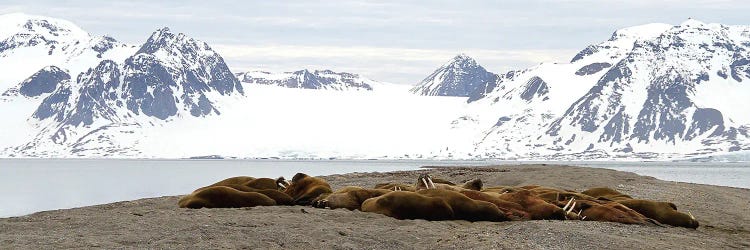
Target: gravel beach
x=723 y=212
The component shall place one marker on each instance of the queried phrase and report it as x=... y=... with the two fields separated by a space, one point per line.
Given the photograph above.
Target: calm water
x=31 y=185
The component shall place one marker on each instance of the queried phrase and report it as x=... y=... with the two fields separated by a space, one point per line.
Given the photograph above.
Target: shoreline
x=723 y=212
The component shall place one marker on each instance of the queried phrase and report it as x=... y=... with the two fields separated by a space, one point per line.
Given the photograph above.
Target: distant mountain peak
x=692 y=22
x=461 y=76
x=307 y=79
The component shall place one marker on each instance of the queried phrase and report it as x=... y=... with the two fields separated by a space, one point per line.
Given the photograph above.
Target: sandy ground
x=724 y=214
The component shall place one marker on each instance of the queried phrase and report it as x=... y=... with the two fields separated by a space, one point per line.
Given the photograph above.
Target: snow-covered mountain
x=461 y=76
x=655 y=91
x=651 y=91
x=170 y=75
x=40 y=42
x=304 y=79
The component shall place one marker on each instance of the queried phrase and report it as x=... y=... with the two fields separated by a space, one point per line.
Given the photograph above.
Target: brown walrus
x=606 y=193
x=224 y=197
x=663 y=212
x=409 y=205
x=535 y=206
x=512 y=210
x=465 y=208
x=304 y=188
x=350 y=198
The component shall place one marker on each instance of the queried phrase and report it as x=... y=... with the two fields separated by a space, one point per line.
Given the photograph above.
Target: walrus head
x=282 y=183
x=424 y=181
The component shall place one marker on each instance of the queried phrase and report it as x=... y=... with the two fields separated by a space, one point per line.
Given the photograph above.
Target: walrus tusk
x=691 y=215
x=429 y=179
x=425 y=183
x=566 y=205
x=571 y=207
x=583 y=218
x=281 y=185
x=557 y=196
x=579 y=213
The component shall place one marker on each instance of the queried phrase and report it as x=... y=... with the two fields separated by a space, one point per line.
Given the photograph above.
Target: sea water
x=32 y=185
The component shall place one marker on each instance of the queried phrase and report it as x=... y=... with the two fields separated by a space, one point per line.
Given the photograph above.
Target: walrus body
x=465 y=208
x=237 y=180
x=535 y=206
x=304 y=189
x=396 y=186
x=351 y=199
x=224 y=197
x=609 y=211
x=512 y=210
x=663 y=212
x=606 y=193
x=408 y=205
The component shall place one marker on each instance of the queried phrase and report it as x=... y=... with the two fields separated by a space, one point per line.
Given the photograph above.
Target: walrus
x=237 y=180
x=250 y=184
x=318 y=201
x=552 y=196
x=663 y=212
x=408 y=205
x=535 y=206
x=279 y=197
x=465 y=208
x=304 y=188
x=395 y=186
x=501 y=189
x=606 y=194
x=595 y=210
x=512 y=210
x=425 y=181
x=475 y=184
x=224 y=197
x=257 y=183
x=351 y=198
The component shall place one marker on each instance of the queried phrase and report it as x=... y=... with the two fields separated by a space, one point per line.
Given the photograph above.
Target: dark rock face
x=53 y=106
x=661 y=117
x=617 y=129
x=145 y=73
x=319 y=79
x=462 y=76
x=592 y=68
x=43 y=81
x=586 y=112
x=591 y=49
x=106 y=44
x=98 y=94
x=705 y=119
x=535 y=87
x=481 y=92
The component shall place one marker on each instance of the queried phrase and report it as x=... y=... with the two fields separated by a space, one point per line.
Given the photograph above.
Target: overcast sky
x=397 y=41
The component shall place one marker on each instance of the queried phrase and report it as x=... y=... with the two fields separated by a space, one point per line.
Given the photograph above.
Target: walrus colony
x=437 y=199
